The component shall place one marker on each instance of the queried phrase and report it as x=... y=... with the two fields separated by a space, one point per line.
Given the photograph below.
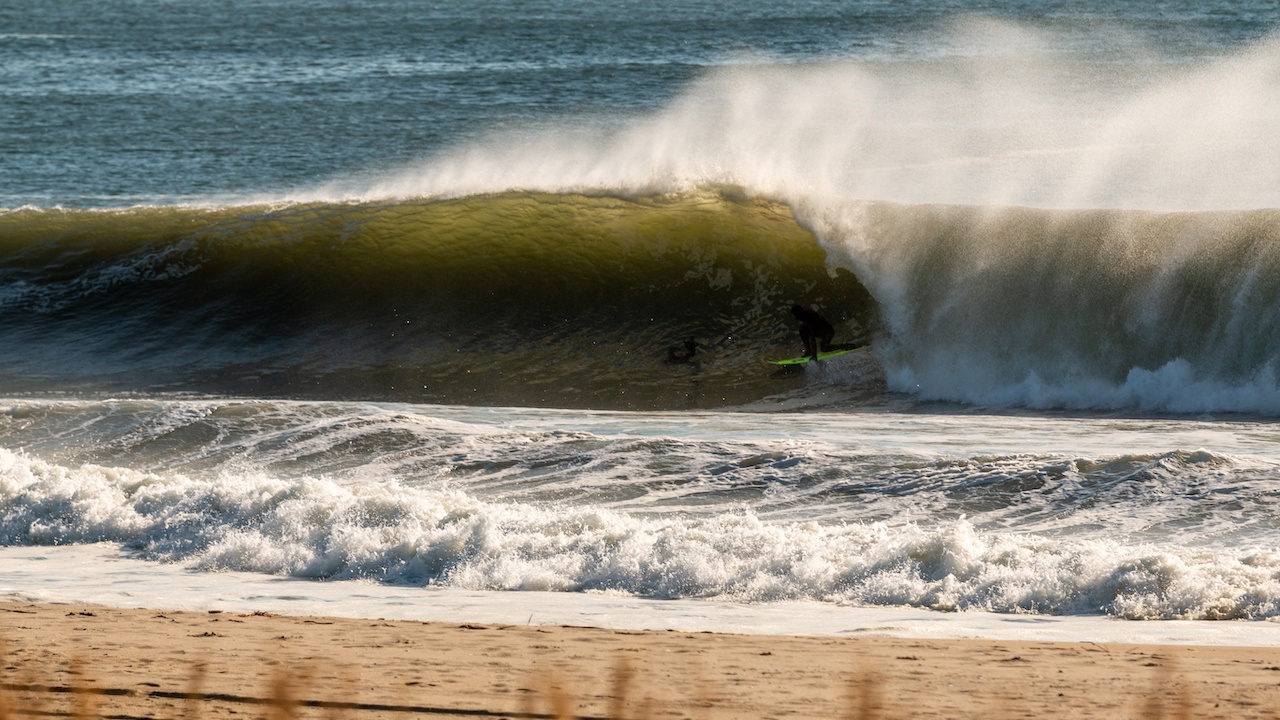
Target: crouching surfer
x=816 y=333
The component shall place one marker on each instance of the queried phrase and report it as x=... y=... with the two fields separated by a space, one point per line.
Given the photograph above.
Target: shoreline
x=103 y=574
x=146 y=662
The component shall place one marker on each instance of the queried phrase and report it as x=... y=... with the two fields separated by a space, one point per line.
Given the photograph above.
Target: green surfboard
x=806 y=358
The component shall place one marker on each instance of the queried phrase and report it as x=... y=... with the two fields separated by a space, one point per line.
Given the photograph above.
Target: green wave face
x=514 y=299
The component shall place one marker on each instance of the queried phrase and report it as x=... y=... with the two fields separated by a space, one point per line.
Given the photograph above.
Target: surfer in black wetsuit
x=815 y=331
x=676 y=354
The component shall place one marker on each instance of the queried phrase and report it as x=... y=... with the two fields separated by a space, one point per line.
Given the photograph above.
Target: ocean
x=367 y=307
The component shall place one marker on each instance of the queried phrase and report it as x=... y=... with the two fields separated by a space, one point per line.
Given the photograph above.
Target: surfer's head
x=797 y=310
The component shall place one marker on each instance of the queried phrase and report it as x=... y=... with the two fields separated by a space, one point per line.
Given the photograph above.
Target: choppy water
x=1133 y=518
x=384 y=291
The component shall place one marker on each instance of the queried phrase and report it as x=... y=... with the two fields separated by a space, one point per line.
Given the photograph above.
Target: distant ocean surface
x=308 y=291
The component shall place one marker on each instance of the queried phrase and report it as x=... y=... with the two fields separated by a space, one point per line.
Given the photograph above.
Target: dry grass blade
x=623 y=674
x=8 y=706
x=30 y=702
x=282 y=703
x=85 y=705
x=864 y=697
x=550 y=687
x=195 y=693
x=559 y=699
x=1169 y=696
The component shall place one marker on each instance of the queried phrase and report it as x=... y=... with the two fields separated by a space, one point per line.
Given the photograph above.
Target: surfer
x=815 y=332
x=677 y=354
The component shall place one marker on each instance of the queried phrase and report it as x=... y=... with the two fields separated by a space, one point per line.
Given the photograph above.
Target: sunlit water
x=1055 y=221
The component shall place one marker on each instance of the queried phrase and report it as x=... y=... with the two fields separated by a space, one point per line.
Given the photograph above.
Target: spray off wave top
x=1047 y=219
x=991 y=113
x=933 y=201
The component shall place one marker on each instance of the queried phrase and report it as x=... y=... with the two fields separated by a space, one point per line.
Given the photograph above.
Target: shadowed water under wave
x=523 y=299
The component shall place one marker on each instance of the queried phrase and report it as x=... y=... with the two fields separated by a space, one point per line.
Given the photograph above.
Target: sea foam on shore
x=103 y=575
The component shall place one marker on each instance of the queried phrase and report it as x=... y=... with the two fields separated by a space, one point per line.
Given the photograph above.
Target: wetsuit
x=815 y=331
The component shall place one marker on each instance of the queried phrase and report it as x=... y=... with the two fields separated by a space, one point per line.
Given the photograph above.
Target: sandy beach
x=68 y=660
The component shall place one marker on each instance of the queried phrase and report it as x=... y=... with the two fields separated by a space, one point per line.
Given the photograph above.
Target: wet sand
x=65 y=660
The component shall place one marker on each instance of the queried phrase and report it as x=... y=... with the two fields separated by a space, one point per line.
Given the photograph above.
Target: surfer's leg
x=810 y=343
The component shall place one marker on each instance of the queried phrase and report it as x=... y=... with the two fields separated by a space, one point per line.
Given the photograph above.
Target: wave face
x=522 y=299
x=572 y=300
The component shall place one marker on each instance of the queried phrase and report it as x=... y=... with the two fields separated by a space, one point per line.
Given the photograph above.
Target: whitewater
x=384 y=333
x=783 y=520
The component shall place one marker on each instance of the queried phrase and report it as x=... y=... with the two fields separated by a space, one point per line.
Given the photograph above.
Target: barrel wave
x=512 y=299
x=572 y=300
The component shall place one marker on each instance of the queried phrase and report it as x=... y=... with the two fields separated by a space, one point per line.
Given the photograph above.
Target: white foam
x=391 y=533
x=1174 y=387
x=101 y=575
x=1136 y=519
